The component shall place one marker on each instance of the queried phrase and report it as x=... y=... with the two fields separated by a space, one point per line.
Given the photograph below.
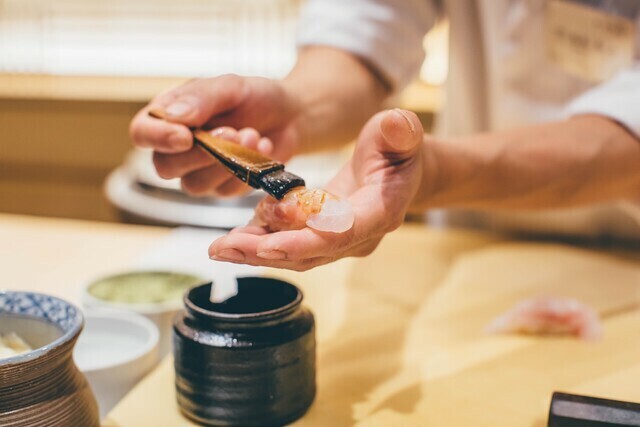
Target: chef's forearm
x=336 y=94
x=586 y=159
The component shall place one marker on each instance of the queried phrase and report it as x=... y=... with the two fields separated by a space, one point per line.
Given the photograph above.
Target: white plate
x=136 y=188
x=115 y=350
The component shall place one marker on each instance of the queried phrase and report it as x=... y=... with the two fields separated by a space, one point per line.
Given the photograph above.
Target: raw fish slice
x=302 y=207
x=548 y=315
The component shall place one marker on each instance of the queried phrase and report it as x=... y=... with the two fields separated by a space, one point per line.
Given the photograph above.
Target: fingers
x=265 y=146
x=192 y=104
x=181 y=164
x=213 y=181
x=205 y=182
x=298 y=249
x=303 y=244
x=240 y=247
x=249 y=137
x=196 y=102
x=294 y=246
x=250 y=229
x=232 y=187
x=401 y=131
x=175 y=165
x=178 y=165
x=395 y=134
x=201 y=174
x=378 y=206
x=164 y=137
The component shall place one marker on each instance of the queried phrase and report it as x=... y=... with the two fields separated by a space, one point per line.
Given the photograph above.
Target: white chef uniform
x=504 y=71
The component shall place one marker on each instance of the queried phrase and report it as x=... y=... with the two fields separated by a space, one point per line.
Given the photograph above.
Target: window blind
x=148 y=37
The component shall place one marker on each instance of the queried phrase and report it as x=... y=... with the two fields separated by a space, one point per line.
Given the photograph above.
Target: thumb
x=197 y=101
x=402 y=133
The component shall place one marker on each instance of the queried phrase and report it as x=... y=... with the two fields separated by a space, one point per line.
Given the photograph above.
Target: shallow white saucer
x=115 y=350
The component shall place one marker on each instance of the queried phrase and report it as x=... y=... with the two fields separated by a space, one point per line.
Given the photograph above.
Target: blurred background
x=74 y=72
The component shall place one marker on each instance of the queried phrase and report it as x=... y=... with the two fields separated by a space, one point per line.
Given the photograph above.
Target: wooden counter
x=58 y=256
x=84 y=88
x=400 y=333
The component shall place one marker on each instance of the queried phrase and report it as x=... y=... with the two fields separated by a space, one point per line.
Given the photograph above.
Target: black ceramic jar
x=248 y=361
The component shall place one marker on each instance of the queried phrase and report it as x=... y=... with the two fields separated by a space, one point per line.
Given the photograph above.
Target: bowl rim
x=260 y=316
x=90 y=301
x=152 y=341
x=38 y=352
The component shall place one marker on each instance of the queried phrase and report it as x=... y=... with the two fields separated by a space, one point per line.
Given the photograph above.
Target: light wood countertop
x=400 y=333
x=58 y=256
x=84 y=88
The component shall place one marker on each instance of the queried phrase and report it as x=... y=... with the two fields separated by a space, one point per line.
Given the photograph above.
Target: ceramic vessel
x=114 y=352
x=159 y=312
x=43 y=387
x=247 y=361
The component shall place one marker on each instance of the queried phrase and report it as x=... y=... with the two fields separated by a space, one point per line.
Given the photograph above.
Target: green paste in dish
x=144 y=288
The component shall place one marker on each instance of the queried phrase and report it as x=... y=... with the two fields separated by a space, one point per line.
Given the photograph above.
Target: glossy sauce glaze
x=302 y=207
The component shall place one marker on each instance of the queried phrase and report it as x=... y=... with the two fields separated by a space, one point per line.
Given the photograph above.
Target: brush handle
x=248 y=165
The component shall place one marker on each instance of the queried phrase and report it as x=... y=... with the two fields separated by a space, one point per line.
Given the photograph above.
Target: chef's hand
x=229 y=101
x=380 y=181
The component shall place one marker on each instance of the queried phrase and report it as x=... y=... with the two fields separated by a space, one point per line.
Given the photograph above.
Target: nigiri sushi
x=302 y=207
x=546 y=315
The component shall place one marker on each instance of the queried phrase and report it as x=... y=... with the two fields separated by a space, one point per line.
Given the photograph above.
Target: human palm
x=380 y=180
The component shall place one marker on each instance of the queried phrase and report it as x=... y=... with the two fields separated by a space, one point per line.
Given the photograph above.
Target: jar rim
x=252 y=292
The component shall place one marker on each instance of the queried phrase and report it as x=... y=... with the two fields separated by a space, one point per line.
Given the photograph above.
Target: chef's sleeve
x=385 y=34
x=617 y=99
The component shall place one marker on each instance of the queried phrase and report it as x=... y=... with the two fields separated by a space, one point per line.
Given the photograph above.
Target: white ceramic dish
x=115 y=350
x=160 y=313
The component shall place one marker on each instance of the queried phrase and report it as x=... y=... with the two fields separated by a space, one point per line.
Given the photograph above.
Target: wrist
x=602 y=126
x=334 y=94
x=299 y=108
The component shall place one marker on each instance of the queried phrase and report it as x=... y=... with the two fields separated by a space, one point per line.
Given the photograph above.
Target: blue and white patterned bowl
x=43 y=386
x=57 y=322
